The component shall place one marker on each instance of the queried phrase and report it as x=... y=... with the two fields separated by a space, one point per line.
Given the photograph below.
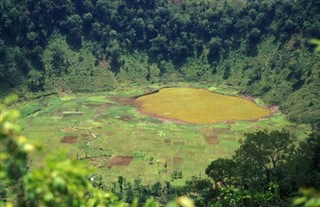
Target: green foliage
x=317 y=43
x=234 y=196
x=134 y=68
x=260 y=46
x=60 y=182
x=70 y=70
x=13 y=149
x=197 y=69
x=256 y=173
x=308 y=198
x=63 y=182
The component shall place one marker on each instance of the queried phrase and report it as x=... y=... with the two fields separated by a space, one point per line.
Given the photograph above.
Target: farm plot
x=106 y=131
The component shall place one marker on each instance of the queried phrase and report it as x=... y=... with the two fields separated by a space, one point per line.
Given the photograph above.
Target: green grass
x=121 y=131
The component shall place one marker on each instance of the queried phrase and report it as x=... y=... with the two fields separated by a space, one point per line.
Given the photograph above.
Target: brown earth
x=120 y=161
x=209 y=136
x=69 y=139
x=168 y=141
x=212 y=140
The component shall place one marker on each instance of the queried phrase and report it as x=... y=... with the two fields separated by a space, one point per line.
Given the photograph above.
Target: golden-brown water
x=198 y=106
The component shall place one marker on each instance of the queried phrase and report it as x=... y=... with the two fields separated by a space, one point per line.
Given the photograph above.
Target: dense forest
x=258 y=46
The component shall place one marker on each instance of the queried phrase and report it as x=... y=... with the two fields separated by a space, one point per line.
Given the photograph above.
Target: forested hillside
x=260 y=47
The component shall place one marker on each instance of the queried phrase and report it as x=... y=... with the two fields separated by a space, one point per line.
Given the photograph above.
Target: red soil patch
x=120 y=161
x=212 y=140
x=69 y=139
x=167 y=141
x=209 y=136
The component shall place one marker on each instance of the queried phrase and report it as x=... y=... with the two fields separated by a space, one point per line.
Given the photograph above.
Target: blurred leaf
x=315 y=42
x=10 y=99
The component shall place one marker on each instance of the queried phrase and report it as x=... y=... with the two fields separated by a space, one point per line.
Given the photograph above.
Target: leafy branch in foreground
x=317 y=43
x=309 y=198
x=59 y=182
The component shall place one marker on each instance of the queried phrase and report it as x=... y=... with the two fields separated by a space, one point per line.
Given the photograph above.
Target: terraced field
x=105 y=130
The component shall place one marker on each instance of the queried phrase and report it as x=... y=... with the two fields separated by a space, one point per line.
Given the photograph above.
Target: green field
x=117 y=140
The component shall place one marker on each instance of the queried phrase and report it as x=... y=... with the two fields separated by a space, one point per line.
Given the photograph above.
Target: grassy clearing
x=106 y=130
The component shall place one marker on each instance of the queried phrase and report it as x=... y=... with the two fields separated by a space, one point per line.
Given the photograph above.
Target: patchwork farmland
x=106 y=131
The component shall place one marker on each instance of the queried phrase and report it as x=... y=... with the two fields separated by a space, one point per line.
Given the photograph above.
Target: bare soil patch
x=120 y=161
x=209 y=136
x=212 y=140
x=69 y=139
x=168 y=141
